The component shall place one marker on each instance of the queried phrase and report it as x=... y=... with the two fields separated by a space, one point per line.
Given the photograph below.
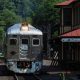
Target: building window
x=13 y=41
x=24 y=41
x=36 y=42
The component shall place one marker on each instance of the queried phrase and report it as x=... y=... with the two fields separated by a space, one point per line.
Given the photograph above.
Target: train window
x=36 y=42
x=24 y=41
x=13 y=41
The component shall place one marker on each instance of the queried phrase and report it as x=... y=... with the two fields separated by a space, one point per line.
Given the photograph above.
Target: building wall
x=70 y=18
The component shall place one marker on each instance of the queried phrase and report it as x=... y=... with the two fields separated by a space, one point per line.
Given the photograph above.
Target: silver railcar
x=24 y=48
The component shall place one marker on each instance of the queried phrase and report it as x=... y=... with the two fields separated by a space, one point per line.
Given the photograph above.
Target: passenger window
x=13 y=41
x=36 y=42
x=24 y=41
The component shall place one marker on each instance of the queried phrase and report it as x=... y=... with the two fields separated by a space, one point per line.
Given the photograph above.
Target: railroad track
x=36 y=77
x=26 y=77
x=15 y=77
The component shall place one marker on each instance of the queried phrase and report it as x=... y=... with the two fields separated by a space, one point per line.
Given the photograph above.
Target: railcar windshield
x=36 y=42
x=13 y=41
x=24 y=41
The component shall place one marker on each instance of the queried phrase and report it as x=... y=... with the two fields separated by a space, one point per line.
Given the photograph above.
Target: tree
x=10 y=17
x=46 y=13
x=38 y=11
x=8 y=14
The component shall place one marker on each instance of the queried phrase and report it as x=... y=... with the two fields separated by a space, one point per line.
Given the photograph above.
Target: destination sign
x=70 y=39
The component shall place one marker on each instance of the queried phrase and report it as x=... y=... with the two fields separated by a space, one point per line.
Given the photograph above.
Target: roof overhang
x=73 y=33
x=72 y=36
x=66 y=3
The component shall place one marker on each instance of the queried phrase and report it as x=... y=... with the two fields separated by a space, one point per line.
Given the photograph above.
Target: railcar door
x=24 y=46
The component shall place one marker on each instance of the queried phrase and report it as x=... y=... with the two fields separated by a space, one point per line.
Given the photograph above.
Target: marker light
x=24 y=26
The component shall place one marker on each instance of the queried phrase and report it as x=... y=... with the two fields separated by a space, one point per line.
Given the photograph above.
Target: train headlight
x=24 y=26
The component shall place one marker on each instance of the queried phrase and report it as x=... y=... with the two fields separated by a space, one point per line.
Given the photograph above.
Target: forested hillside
x=12 y=11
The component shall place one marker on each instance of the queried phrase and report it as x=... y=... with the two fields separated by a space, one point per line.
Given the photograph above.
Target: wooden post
x=72 y=19
x=62 y=51
x=62 y=22
x=48 y=38
x=78 y=15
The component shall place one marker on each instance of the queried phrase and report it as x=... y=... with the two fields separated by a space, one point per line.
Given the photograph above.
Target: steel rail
x=36 y=77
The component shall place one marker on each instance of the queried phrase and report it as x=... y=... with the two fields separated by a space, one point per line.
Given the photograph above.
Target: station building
x=69 y=34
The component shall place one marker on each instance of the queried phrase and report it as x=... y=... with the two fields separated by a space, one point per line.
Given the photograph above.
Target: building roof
x=75 y=33
x=65 y=3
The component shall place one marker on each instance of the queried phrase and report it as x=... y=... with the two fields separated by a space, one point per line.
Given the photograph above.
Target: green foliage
x=46 y=13
x=7 y=13
x=1 y=34
x=10 y=17
x=55 y=34
x=38 y=12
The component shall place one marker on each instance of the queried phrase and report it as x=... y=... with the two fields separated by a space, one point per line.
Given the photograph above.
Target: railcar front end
x=24 y=49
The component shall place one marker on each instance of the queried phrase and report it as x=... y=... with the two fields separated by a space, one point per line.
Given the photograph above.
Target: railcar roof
x=16 y=29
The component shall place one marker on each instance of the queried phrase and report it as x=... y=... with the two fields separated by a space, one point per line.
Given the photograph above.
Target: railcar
x=24 y=45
